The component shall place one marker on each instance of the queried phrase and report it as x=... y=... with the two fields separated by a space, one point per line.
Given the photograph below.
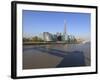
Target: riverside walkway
x=43 y=43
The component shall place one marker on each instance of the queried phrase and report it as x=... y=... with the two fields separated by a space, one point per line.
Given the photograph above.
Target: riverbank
x=44 y=43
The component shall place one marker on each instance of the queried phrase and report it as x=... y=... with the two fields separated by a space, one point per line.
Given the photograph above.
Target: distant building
x=65 y=35
x=58 y=36
x=47 y=36
x=65 y=27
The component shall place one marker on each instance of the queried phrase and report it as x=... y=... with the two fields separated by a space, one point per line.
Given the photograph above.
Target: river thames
x=56 y=55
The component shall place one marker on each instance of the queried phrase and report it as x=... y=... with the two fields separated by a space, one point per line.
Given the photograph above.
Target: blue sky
x=35 y=22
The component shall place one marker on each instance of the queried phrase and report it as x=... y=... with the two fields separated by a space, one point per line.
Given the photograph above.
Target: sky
x=35 y=22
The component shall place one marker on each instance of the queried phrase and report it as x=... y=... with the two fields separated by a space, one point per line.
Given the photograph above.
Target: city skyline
x=35 y=22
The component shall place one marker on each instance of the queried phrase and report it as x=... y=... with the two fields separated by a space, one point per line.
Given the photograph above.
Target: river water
x=56 y=55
